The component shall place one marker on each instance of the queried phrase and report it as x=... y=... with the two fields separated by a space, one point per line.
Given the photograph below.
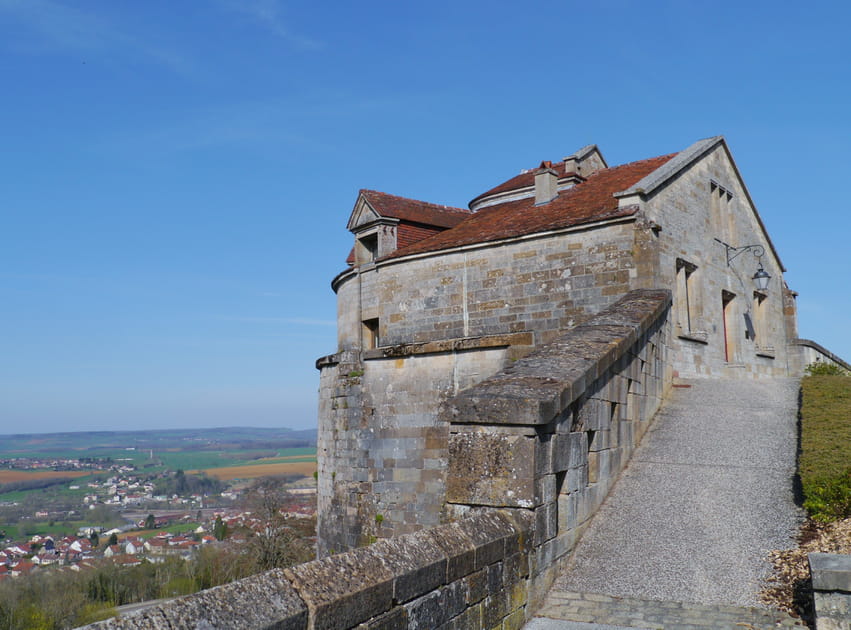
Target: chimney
x=546 y=184
x=571 y=164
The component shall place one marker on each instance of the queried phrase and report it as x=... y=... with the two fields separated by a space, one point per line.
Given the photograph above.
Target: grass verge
x=825 y=460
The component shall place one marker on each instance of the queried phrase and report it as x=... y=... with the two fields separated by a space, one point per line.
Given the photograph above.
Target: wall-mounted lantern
x=761 y=277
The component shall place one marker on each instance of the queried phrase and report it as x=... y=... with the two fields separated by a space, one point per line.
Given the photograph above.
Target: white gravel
x=706 y=495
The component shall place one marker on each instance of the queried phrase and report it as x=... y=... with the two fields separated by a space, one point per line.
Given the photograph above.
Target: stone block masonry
x=382 y=449
x=831 y=575
x=466 y=575
x=550 y=434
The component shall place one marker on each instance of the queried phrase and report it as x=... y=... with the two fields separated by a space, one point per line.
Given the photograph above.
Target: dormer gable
x=375 y=235
x=585 y=162
x=363 y=214
x=545 y=187
x=382 y=223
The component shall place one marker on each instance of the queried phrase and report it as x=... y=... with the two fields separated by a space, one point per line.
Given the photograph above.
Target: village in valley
x=72 y=514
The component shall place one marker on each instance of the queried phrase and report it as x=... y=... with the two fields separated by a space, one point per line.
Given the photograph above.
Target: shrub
x=829 y=498
x=821 y=368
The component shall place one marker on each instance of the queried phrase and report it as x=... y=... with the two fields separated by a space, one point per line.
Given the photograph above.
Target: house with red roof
x=24 y=567
x=435 y=299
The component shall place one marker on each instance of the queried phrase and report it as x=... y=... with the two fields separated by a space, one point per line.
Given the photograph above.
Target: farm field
x=157 y=451
x=264 y=469
x=124 y=443
x=11 y=476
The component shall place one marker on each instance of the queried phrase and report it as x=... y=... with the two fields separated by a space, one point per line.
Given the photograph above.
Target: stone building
x=437 y=299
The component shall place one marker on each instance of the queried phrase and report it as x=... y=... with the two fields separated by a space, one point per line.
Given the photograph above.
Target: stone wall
x=550 y=434
x=542 y=285
x=809 y=352
x=382 y=450
x=461 y=576
x=831 y=574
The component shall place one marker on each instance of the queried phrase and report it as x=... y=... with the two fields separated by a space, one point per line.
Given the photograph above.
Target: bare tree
x=279 y=540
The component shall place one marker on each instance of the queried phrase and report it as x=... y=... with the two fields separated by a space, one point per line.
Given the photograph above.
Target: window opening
x=729 y=338
x=369 y=248
x=686 y=298
x=721 y=201
x=760 y=305
x=370 y=334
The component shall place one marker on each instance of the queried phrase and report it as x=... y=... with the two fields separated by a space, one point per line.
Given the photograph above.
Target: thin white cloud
x=51 y=26
x=268 y=14
x=59 y=26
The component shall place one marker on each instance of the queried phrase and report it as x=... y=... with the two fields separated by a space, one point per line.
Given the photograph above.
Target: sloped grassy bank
x=824 y=466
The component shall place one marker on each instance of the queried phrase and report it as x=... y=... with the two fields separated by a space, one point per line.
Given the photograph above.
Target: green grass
x=825 y=461
x=59 y=491
x=12 y=531
x=24 y=531
x=199 y=460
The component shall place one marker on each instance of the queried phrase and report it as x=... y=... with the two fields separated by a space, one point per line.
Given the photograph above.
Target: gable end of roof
x=648 y=184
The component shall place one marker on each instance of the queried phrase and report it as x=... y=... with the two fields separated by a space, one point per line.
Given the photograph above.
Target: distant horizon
x=163 y=430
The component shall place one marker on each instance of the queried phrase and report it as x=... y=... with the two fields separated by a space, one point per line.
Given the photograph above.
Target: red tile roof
x=413 y=210
x=523 y=180
x=587 y=202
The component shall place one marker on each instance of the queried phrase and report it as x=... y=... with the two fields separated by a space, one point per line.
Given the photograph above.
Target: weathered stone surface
x=417 y=563
x=570 y=450
x=489 y=534
x=833 y=610
x=491 y=469
x=515 y=568
x=546 y=522
x=458 y=547
x=523 y=523
x=438 y=607
x=830 y=571
x=394 y=619
x=426 y=612
x=229 y=607
x=494 y=610
x=343 y=590
x=477 y=586
x=470 y=619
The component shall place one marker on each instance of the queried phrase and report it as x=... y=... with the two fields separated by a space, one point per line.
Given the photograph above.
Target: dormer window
x=368 y=248
x=383 y=223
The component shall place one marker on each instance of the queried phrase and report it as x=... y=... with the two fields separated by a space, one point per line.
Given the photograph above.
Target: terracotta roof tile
x=415 y=211
x=523 y=180
x=587 y=202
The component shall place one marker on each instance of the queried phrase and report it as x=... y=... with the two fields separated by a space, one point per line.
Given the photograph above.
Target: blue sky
x=175 y=178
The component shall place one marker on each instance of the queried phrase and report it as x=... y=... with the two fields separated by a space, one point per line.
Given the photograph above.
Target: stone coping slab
x=229 y=606
x=535 y=389
x=831 y=571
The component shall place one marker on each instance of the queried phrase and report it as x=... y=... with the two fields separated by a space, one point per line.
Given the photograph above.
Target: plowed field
x=261 y=470
x=9 y=476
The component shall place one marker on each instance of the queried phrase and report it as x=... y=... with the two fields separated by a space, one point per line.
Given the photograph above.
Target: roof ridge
x=367 y=191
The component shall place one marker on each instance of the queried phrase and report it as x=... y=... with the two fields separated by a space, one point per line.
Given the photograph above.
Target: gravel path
x=705 y=496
